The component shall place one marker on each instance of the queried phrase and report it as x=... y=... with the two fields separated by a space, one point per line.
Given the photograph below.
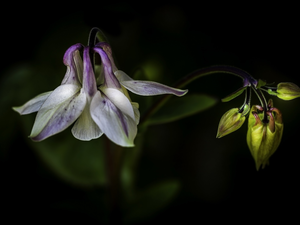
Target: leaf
x=180 y=108
x=79 y=162
x=261 y=83
x=234 y=94
x=150 y=201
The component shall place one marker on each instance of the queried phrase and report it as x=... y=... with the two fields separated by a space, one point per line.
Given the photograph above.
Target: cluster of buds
x=265 y=126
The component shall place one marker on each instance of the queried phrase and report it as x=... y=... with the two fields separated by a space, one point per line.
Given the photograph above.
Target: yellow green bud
x=263 y=138
x=230 y=122
x=288 y=91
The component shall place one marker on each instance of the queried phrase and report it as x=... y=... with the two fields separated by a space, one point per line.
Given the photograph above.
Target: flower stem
x=93 y=37
x=113 y=154
x=247 y=79
x=247 y=101
x=263 y=103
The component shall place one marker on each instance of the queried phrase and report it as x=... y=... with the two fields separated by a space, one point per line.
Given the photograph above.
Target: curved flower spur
x=97 y=107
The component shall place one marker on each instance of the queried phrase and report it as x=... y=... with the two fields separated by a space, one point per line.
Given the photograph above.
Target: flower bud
x=263 y=138
x=288 y=91
x=230 y=122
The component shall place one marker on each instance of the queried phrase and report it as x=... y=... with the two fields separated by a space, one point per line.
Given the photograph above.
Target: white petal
x=122 y=76
x=149 y=88
x=146 y=88
x=119 y=100
x=78 y=65
x=117 y=126
x=33 y=105
x=85 y=129
x=60 y=110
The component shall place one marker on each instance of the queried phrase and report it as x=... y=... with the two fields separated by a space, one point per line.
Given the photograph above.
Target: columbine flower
x=263 y=137
x=97 y=107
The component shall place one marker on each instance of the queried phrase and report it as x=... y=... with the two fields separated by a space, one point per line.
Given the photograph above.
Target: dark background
x=218 y=176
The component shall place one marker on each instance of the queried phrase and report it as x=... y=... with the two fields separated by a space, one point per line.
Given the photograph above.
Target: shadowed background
x=217 y=176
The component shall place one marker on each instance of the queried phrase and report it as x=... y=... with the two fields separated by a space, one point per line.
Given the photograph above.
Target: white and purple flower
x=96 y=107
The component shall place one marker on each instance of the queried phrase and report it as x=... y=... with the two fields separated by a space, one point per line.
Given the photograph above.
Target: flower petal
x=146 y=88
x=119 y=100
x=60 y=110
x=32 y=105
x=122 y=76
x=106 y=47
x=117 y=126
x=89 y=81
x=110 y=78
x=85 y=129
x=73 y=62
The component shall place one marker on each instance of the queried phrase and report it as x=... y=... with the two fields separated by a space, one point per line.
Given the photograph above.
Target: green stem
x=246 y=101
x=112 y=154
x=263 y=103
x=247 y=78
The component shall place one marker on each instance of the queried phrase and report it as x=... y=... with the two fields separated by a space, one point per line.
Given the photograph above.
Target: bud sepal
x=264 y=137
x=288 y=91
x=231 y=121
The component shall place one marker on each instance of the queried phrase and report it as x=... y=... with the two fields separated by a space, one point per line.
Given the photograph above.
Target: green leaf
x=150 y=201
x=234 y=94
x=260 y=83
x=78 y=162
x=179 y=108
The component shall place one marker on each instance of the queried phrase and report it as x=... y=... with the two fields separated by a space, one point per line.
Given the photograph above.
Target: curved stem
x=93 y=36
x=247 y=78
x=91 y=43
x=263 y=102
x=246 y=102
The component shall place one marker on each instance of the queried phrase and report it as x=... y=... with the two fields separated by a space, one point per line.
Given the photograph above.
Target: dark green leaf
x=78 y=162
x=178 y=108
x=261 y=83
x=150 y=201
x=234 y=94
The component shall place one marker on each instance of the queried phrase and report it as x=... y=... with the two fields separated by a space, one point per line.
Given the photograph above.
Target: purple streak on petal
x=150 y=88
x=68 y=113
x=71 y=76
x=118 y=112
x=106 y=47
x=89 y=81
x=110 y=78
x=118 y=127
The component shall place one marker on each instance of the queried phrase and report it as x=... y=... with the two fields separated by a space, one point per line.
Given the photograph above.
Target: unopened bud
x=230 y=122
x=288 y=91
x=263 y=138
